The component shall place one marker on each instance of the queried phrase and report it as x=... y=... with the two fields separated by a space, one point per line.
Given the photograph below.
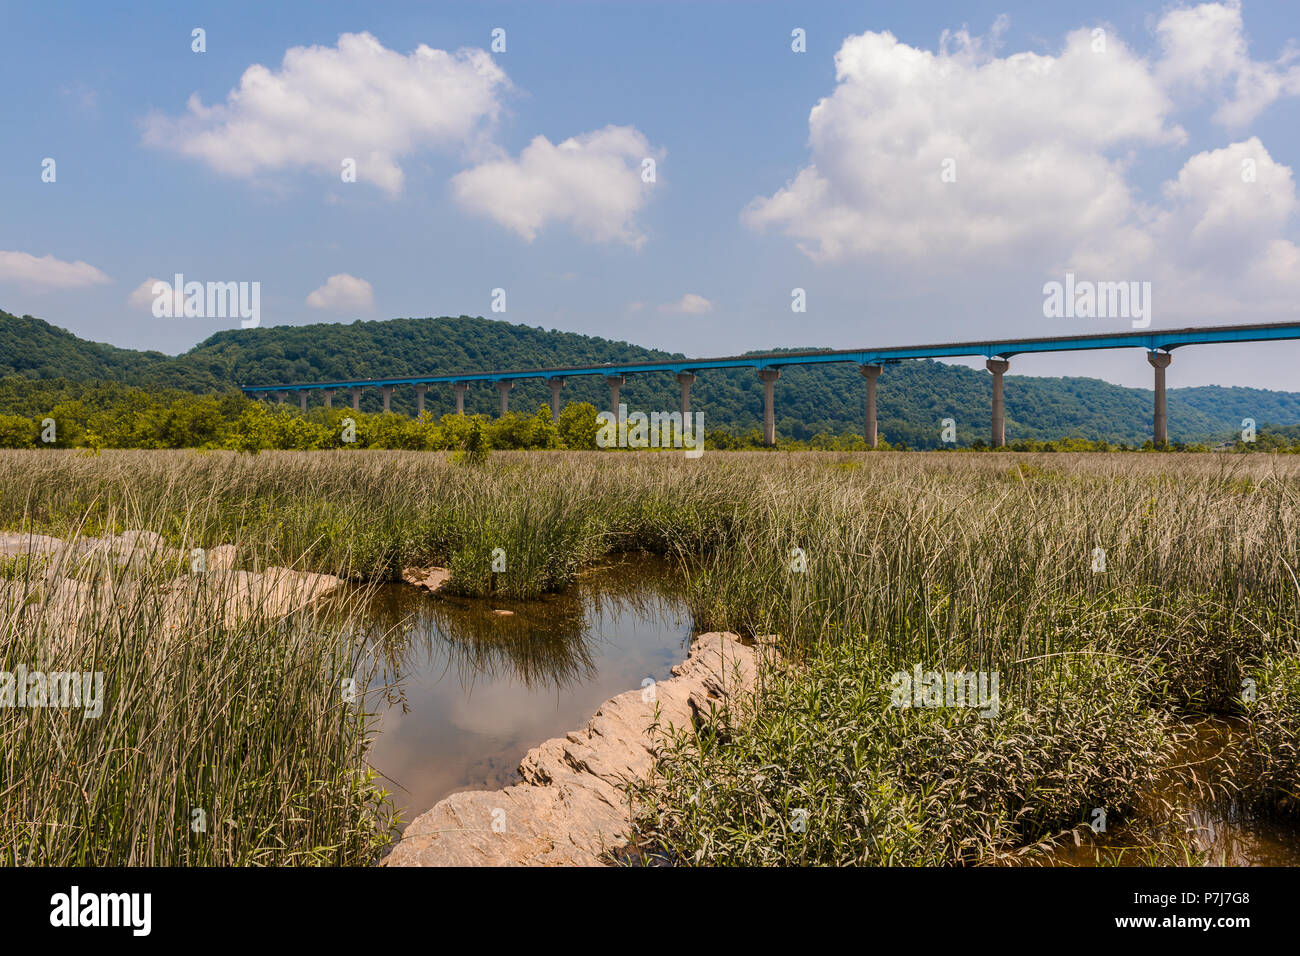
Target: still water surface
x=1196 y=815
x=471 y=692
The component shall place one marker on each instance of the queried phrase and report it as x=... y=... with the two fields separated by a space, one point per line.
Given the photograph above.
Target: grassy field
x=864 y=566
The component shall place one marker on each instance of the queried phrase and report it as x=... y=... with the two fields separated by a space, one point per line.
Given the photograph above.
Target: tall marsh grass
x=223 y=735
x=951 y=562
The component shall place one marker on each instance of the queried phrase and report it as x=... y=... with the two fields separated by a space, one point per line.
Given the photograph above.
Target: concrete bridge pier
x=686 y=380
x=460 y=388
x=387 y=392
x=997 y=367
x=1160 y=361
x=504 y=388
x=280 y=397
x=419 y=399
x=329 y=397
x=769 y=376
x=556 y=384
x=302 y=399
x=871 y=373
x=615 y=382
x=356 y=399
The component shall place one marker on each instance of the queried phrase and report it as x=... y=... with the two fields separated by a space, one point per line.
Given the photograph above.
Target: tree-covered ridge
x=29 y=346
x=914 y=397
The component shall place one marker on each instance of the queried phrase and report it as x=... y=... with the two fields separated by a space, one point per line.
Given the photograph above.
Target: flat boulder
x=71 y=593
x=15 y=543
x=430 y=578
x=571 y=809
x=221 y=558
x=243 y=595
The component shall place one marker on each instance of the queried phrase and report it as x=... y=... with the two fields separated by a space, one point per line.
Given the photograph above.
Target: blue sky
x=1122 y=163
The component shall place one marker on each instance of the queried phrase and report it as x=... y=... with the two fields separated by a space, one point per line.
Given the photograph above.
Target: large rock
x=15 y=543
x=72 y=594
x=570 y=809
x=223 y=557
x=242 y=595
x=133 y=548
x=430 y=578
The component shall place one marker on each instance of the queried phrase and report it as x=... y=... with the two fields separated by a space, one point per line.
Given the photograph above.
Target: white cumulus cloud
x=47 y=272
x=1205 y=49
x=958 y=152
x=1215 y=244
x=357 y=101
x=689 y=304
x=343 y=292
x=593 y=182
x=1017 y=168
x=142 y=296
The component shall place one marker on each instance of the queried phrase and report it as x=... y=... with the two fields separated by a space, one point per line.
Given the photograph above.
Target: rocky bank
x=569 y=809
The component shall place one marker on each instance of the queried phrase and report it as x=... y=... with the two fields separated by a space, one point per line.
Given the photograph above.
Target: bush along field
x=977 y=653
x=41 y=413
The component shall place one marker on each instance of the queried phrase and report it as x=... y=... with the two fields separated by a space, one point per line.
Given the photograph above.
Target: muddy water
x=1194 y=814
x=470 y=692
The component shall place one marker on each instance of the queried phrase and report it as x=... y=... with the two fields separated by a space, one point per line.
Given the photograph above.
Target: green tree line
x=62 y=414
x=812 y=400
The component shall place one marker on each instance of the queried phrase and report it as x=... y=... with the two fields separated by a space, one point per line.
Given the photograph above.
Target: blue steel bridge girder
x=1159 y=342
x=1164 y=340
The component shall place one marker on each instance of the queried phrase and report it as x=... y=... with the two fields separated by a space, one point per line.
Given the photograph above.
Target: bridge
x=997 y=352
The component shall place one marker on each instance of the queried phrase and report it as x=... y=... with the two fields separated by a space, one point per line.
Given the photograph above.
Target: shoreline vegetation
x=111 y=415
x=863 y=566
x=42 y=366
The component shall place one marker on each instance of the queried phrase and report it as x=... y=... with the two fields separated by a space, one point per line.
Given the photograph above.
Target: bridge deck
x=1153 y=340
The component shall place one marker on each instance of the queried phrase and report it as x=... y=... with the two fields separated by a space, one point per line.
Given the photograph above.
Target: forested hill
x=913 y=396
